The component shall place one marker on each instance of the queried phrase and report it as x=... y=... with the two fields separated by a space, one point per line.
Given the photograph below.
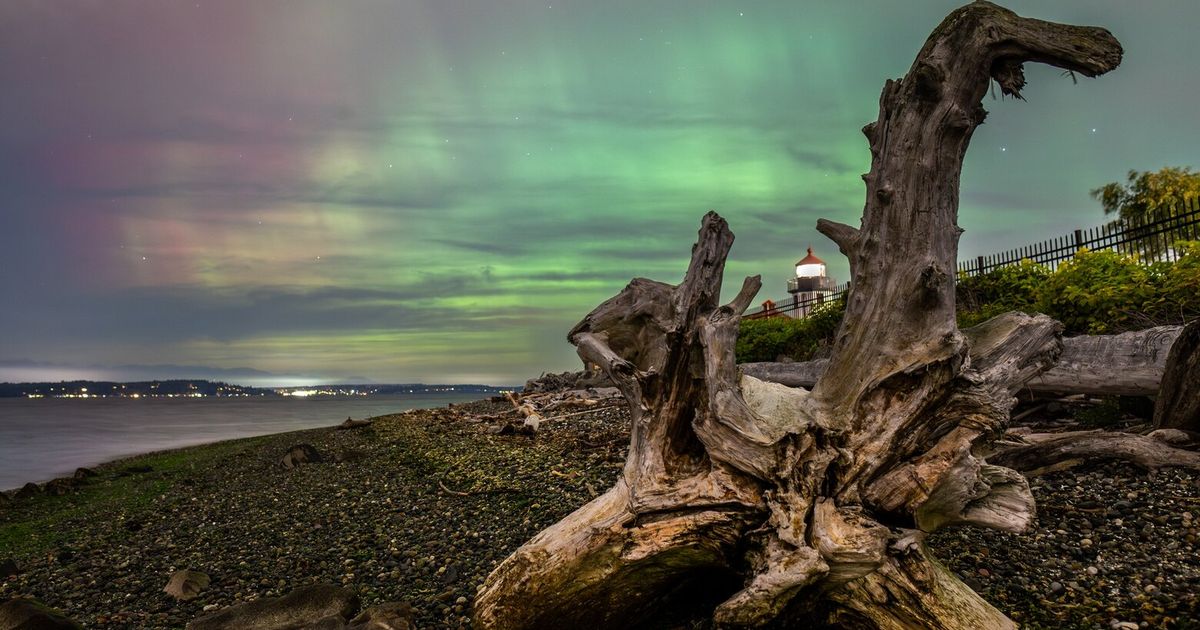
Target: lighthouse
x=811 y=286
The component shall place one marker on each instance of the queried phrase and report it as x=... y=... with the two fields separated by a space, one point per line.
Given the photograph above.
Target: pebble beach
x=419 y=507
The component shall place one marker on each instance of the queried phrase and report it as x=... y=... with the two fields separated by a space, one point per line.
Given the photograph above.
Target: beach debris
x=24 y=612
x=551 y=382
x=59 y=487
x=186 y=584
x=350 y=455
x=1178 y=397
x=1128 y=364
x=533 y=419
x=8 y=568
x=457 y=493
x=351 y=423
x=536 y=408
x=28 y=491
x=82 y=473
x=139 y=469
x=390 y=616
x=300 y=454
x=1175 y=437
x=303 y=607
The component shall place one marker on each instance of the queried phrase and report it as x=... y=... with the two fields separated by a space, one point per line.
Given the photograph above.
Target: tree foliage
x=1146 y=201
x=1146 y=194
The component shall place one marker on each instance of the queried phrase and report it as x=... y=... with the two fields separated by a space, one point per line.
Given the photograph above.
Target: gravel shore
x=422 y=505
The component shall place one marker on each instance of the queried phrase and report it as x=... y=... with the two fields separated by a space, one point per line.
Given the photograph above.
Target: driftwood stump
x=1178 y=403
x=814 y=506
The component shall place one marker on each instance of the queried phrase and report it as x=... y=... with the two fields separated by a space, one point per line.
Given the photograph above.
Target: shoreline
x=420 y=506
x=72 y=466
x=177 y=450
x=206 y=507
x=111 y=463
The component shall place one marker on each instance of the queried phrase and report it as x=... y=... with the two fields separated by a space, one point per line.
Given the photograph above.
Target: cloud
x=504 y=249
x=820 y=160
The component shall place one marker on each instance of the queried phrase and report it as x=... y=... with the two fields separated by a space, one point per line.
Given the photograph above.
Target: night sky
x=436 y=191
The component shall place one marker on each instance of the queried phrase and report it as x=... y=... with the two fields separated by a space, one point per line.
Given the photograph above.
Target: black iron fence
x=1149 y=240
x=797 y=306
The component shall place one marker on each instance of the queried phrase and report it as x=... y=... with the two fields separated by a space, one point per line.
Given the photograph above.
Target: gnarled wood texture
x=818 y=501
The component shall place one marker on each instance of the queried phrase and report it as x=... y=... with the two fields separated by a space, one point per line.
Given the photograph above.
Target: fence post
x=1078 y=239
x=979 y=264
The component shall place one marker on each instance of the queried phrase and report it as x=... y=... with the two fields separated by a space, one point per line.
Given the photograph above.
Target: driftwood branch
x=844 y=235
x=1055 y=451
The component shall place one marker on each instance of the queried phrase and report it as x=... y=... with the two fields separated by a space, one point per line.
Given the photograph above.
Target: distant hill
x=199 y=388
x=27 y=371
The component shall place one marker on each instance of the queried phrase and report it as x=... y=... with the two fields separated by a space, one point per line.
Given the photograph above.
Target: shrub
x=1100 y=292
x=1015 y=286
x=1096 y=292
x=774 y=337
x=824 y=320
x=1011 y=288
x=1178 y=297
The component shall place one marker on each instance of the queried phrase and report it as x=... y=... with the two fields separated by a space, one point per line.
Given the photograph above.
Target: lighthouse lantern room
x=811 y=286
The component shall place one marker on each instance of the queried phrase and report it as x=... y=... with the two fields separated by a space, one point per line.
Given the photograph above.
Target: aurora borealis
x=436 y=191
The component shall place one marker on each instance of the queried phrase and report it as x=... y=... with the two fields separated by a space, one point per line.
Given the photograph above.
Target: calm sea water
x=50 y=437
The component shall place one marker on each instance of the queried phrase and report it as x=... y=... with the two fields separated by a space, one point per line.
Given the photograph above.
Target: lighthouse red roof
x=810 y=259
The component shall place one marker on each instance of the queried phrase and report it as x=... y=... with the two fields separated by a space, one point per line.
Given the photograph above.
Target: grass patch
x=39 y=524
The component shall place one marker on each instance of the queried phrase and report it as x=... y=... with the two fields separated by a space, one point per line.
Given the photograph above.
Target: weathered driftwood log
x=817 y=503
x=1178 y=403
x=1129 y=364
x=1045 y=452
x=796 y=374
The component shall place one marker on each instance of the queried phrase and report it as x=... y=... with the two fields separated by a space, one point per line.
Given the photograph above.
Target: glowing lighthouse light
x=810 y=266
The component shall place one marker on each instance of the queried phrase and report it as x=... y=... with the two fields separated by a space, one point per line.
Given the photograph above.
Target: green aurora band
x=436 y=191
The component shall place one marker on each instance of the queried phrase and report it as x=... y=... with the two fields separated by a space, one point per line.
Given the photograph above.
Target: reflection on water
x=45 y=438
